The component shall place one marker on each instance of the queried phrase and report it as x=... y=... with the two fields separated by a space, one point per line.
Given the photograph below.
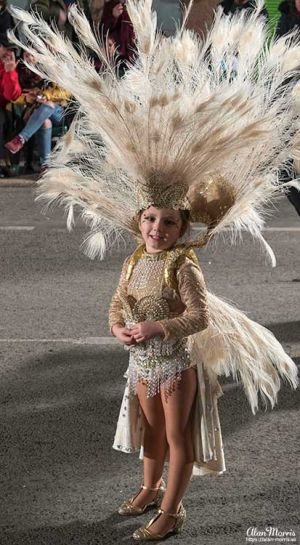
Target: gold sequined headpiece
x=157 y=193
x=210 y=201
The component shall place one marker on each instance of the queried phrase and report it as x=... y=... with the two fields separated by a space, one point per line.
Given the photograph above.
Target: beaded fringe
x=167 y=375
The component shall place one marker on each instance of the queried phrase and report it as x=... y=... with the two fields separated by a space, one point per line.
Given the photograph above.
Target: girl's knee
x=47 y=124
x=155 y=433
x=178 y=437
x=181 y=443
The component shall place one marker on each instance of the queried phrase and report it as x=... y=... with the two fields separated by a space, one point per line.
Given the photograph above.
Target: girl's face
x=160 y=228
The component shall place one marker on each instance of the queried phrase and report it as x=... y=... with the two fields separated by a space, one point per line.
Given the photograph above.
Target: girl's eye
x=170 y=222
x=150 y=218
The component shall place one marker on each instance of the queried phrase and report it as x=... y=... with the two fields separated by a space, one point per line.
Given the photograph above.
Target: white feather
x=235 y=345
x=70 y=218
x=94 y=245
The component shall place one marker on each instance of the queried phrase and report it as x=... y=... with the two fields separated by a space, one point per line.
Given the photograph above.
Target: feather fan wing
x=235 y=345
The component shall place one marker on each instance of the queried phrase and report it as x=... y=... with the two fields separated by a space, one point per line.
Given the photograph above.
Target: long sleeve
x=10 y=85
x=115 y=314
x=192 y=292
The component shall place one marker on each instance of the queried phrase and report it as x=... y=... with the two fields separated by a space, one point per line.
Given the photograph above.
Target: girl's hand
x=123 y=334
x=146 y=330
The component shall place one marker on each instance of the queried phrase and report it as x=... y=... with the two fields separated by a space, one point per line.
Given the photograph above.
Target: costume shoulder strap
x=175 y=259
x=133 y=259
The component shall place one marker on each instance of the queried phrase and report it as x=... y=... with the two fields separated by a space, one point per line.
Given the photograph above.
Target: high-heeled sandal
x=144 y=534
x=128 y=509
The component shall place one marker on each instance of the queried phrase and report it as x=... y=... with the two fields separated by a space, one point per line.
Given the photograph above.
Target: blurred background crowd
x=34 y=113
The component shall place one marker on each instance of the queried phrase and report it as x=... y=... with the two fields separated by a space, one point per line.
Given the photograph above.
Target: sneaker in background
x=15 y=145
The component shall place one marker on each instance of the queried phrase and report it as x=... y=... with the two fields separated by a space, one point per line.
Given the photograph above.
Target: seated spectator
x=52 y=11
x=231 y=6
x=10 y=88
x=116 y=23
x=56 y=12
x=6 y=20
x=290 y=17
x=44 y=107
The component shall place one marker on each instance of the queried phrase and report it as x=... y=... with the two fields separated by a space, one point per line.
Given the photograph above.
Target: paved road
x=61 y=386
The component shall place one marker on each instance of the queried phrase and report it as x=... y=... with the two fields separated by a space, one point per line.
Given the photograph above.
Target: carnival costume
x=197 y=125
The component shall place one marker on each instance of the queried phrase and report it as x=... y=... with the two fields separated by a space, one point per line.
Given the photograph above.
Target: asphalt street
x=62 y=383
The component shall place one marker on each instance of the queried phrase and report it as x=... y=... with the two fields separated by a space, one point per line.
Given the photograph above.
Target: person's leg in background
x=44 y=136
x=34 y=123
x=291 y=171
x=293 y=196
x=57 y=115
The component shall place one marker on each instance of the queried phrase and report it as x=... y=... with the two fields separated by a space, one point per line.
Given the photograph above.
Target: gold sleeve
x=192 y=292
x=115 y=314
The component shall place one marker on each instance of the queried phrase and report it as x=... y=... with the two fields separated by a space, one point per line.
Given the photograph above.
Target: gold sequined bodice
x=147 y=295
x=147 y=276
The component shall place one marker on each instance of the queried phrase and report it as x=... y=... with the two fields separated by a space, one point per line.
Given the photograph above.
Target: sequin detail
x=157 y=362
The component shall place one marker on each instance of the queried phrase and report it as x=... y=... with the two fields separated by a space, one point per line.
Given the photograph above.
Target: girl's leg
x=155 y=443
x=36 y=120
x=179 y=413
x=44 y=142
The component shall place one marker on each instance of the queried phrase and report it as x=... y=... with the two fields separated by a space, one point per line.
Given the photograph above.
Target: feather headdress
x=198 y=124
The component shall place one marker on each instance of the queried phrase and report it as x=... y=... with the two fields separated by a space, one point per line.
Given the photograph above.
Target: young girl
x=154 y=316
x=195 y=131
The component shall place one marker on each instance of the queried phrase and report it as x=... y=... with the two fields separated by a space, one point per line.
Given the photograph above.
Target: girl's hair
x=185 y=218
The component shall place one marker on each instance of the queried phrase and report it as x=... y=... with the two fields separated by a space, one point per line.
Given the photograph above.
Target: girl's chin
x=157 y=245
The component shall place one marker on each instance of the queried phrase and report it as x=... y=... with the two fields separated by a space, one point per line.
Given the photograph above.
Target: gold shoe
x=127 y=507
x=144 y=534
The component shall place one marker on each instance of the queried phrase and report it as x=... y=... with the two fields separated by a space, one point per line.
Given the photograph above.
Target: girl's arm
x=192 y=292
x=115 y=314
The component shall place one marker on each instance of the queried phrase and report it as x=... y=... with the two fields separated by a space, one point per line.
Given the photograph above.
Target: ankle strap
x=144 y=487
x=148 y=488
x=175 y=515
